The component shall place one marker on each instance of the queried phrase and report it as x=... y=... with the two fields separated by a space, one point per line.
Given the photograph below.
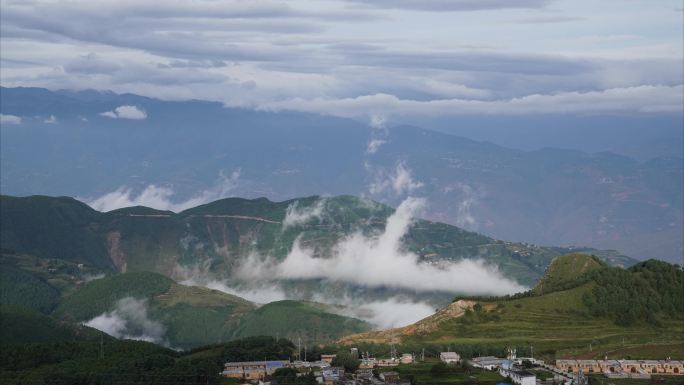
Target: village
x=511 y=369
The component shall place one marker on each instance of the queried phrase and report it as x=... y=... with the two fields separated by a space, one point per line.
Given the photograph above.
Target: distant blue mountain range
x=78 y=144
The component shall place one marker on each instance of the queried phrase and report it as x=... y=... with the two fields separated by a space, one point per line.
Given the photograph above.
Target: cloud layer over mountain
x=356 y=57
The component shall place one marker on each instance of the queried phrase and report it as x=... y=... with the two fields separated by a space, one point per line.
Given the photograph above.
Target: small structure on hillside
x=364 y=374
x=332 y=374
x=580 y=379
x=251 y=370
x=622 y=368
x=488 y=362
x=328 y=358
x=390 y=377
x=449 y=357
x=518 y=375
x=406 y=358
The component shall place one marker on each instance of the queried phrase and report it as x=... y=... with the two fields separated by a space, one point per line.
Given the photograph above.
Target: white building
x=449 y=357
x=488 y=362
x=333 y=373
x=519 y=377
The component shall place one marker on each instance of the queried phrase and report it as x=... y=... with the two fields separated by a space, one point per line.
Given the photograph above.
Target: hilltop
x=567 y=271
x=607 y=307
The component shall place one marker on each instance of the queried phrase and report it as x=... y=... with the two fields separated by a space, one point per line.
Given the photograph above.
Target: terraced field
x=556 y=321
x=554 y=324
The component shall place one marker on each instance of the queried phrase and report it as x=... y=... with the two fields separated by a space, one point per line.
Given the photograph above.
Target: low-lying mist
x=161 y=198
x=372 y=262
x=130 y=320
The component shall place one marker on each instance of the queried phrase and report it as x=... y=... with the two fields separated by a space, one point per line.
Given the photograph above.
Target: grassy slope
x=100 y=296
x=294 y=319
x=195 y=316
x=198 y=316
x=192 y=315
x=557 y=322
x=566 y=270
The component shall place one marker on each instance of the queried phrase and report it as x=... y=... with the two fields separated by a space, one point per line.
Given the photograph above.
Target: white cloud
x=126 y=112
x=50 y=120
x=469 y=197
x=382 y=261
x=378 y=121
x=393 y=312
x=639 y=99
x=400 y=181
x=374 y=145
x=129 y=320
x=260 y=294
x=296 y=215
x=159 y=197
x=263 y=54
x=9 y=119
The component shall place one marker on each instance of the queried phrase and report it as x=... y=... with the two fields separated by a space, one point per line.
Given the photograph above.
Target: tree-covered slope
x=220 y=234
x=21 y=325
x=20 y=288
x=112 y=361
x=53 y=228
x=650 y=291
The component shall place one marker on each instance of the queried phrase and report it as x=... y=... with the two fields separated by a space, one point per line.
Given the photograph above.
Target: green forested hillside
x=50 y=227
x=219 y=234
x=650 y=291
x=18 y=287
x=110 y=361
x=20 y=325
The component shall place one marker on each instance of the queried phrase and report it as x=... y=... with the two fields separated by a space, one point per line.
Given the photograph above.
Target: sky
x=374 y=60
